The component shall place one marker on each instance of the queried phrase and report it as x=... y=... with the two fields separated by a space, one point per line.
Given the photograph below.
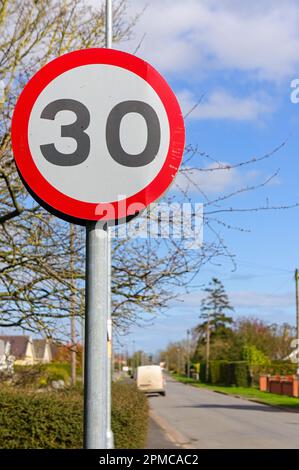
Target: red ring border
x=54 y=198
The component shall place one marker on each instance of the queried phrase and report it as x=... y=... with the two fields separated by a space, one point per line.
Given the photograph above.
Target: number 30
x=77 y=129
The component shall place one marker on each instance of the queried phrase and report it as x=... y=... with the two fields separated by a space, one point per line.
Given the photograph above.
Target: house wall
x=29 y=358
x=47 y=356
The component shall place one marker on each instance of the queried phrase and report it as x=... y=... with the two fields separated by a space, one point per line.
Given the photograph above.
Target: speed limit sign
x=97 y=134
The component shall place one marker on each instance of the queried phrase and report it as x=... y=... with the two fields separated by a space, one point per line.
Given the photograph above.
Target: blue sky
x=242 y=57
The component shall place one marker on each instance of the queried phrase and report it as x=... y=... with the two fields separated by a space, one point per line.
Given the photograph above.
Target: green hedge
x=280 y=368
x=238 y=373
x=202 y=372
x=29 y=421
x=55 y=420
x=215 y=372
x=241 y=374
x=226 y=373
x=129 y=416
x=275 y=368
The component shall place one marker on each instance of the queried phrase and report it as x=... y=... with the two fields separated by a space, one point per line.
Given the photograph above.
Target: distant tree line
x=219 y=337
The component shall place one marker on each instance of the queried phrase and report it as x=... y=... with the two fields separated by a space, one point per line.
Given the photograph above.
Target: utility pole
x=179 y=360
x=73 y=308
x=297 y=314
x=188 y=354
x=133 y=357
x=112 y=362
x=126 y=356
x=2 y=93
x=208 y=348
x=83 y=345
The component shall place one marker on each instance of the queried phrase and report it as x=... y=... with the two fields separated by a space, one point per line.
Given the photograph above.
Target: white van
x=150 y=379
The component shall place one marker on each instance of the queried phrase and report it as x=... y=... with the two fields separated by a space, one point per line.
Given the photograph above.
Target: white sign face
x=99 y=88
x=97 y=128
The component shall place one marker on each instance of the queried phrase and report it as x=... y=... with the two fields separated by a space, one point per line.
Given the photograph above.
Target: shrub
x=62 y=368
x=28 y=376
x=275 y=368
x=281 y=368
x=40 y=375
x=202 y=372
x=30 y=420
x=54 y=372
x=227 y=373
x=241 y=374
x=256 y=360
x=129 y=416
x=44 y=421
x=214 y=372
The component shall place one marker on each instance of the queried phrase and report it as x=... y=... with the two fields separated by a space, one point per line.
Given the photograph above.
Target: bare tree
x=31 y=34
x=36 y=277
x=35 y=274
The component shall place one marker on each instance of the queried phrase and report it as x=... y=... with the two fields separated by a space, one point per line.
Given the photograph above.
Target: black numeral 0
x=113 y=133
x=77 y=128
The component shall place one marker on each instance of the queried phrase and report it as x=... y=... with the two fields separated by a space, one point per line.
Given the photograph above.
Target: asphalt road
x=157 y=439
x=209 y=420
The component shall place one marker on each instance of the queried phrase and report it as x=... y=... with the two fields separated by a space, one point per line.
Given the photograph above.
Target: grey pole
x=297 y=314
x=133 y=358
x=74 y=349
x=97 y=370
x=108 y=25
x=83 y=345
x=95 y=388
x=188 y=354
x=110 y=439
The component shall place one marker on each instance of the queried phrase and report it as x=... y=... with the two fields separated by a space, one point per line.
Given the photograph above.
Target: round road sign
x=97 y=134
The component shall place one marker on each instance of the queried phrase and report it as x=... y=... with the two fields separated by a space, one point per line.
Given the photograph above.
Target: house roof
x=39 y=348
x=18 y=344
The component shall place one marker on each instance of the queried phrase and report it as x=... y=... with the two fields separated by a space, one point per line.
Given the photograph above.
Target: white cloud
x=208 y=182
x=222 y=105
x=261 y=300
x=246 y=300
x=216 y=181
x=260 y=37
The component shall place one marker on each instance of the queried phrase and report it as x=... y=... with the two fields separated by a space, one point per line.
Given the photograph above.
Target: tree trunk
x=208 y=350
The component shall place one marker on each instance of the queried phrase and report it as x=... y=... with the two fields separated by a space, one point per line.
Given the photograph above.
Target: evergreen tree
x=214 y=307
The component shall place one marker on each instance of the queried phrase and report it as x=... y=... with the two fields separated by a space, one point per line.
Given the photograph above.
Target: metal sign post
x=93 y=170
x=96 y=353
x=110 y=439
x=98 y=333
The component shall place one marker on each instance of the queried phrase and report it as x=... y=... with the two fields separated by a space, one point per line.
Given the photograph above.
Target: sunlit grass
x=251 y=393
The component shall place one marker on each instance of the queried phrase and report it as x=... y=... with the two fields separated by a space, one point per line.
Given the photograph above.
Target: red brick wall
x=280 y=385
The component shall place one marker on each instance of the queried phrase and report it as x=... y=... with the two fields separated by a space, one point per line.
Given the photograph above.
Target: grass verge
x=249 y=393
